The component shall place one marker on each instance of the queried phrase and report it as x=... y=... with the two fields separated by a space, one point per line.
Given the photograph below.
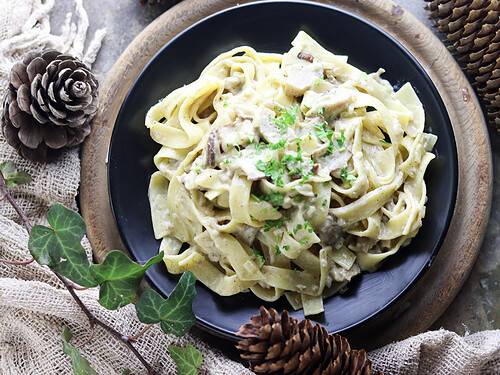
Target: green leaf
x=79 y=364
x=175 y=314
x=12 y=176
x=120 y=277
x=59 y=246
x=188 y=359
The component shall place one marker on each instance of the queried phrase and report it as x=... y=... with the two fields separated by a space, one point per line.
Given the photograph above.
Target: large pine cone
x=472 y=28
x=280 y=344
x=49 y=104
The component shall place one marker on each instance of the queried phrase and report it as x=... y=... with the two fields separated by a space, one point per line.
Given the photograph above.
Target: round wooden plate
x=428 y=299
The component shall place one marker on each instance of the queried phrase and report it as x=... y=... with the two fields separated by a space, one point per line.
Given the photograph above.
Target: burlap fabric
x=34 y=306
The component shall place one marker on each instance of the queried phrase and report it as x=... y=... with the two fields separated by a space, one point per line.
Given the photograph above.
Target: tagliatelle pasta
x=286 y=174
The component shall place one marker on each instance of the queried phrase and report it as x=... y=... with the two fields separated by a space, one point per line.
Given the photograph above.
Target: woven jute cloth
x=34 y=306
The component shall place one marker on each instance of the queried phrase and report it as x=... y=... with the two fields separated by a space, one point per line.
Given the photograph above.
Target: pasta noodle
x=286 y=174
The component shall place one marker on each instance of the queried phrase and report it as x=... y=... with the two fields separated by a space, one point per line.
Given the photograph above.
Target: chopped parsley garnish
x=308 y=227
x=293 y=164
x=273 y=224
x=286 y=117
x=346 y=176
x=260 y=257
x=323 y=133
x=225 y=104
x=274 y=169
x=341 y=139
x=226 y=161
x=321 y=112
x=275 y=198
x=278 y=145
x=304 y=241
x=305 y=177
x=259 y=146
x=277 y=249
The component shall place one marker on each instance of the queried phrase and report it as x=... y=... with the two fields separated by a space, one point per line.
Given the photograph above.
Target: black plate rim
x=231 y=336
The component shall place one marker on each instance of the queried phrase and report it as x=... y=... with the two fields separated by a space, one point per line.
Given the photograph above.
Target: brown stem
x=4 y=193
x=95 y=321
x=136 y=337
x=17 y=262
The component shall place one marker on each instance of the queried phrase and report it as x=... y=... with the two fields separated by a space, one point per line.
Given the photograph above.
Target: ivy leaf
x=119 y=278
x=175 y=314
x=188 y=359
x=12 y=176
x=59 y=246
x=79 y=364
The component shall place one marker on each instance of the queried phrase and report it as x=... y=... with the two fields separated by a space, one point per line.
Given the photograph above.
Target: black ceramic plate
x=270 y=27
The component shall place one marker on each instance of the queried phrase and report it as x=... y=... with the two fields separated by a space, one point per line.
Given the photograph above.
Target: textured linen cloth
x=34 y=306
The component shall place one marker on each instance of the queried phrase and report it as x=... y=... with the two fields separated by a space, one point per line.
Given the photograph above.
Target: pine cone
x=472 y=28
x=280 y=344
x=49 y=104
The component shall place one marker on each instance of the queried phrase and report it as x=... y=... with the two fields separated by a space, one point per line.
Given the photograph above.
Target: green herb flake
x=341 y=140
x=304 y=241
x=321 y=112
x=347 y=177
x=286 y=247
x=259 y=147
x=260 y=257
x=227 y=161
x=273 y=224
x=286 y=117
x=275 y=198
x=323 y=133
x=273 y=169
x=308 y=227
x=278 y=145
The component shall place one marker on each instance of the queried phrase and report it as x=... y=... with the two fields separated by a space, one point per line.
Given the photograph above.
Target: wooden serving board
x=429 y=298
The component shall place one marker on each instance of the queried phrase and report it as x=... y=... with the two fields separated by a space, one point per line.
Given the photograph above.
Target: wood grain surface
x=429 y=298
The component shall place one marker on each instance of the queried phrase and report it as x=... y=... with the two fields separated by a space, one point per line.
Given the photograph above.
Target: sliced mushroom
x=212 y=149
x=305 y=56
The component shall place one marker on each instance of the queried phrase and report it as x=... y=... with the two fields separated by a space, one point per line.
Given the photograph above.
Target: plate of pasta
x=310 y=167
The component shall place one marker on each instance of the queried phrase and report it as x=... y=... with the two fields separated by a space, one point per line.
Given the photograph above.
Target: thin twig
x=93 y=321
x=144 y=329
x=17 y=262
x=6 y=194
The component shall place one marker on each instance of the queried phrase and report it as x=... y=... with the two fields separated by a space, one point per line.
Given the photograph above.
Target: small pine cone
x=280 y=344
x=49 y=104
x=472 y=29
